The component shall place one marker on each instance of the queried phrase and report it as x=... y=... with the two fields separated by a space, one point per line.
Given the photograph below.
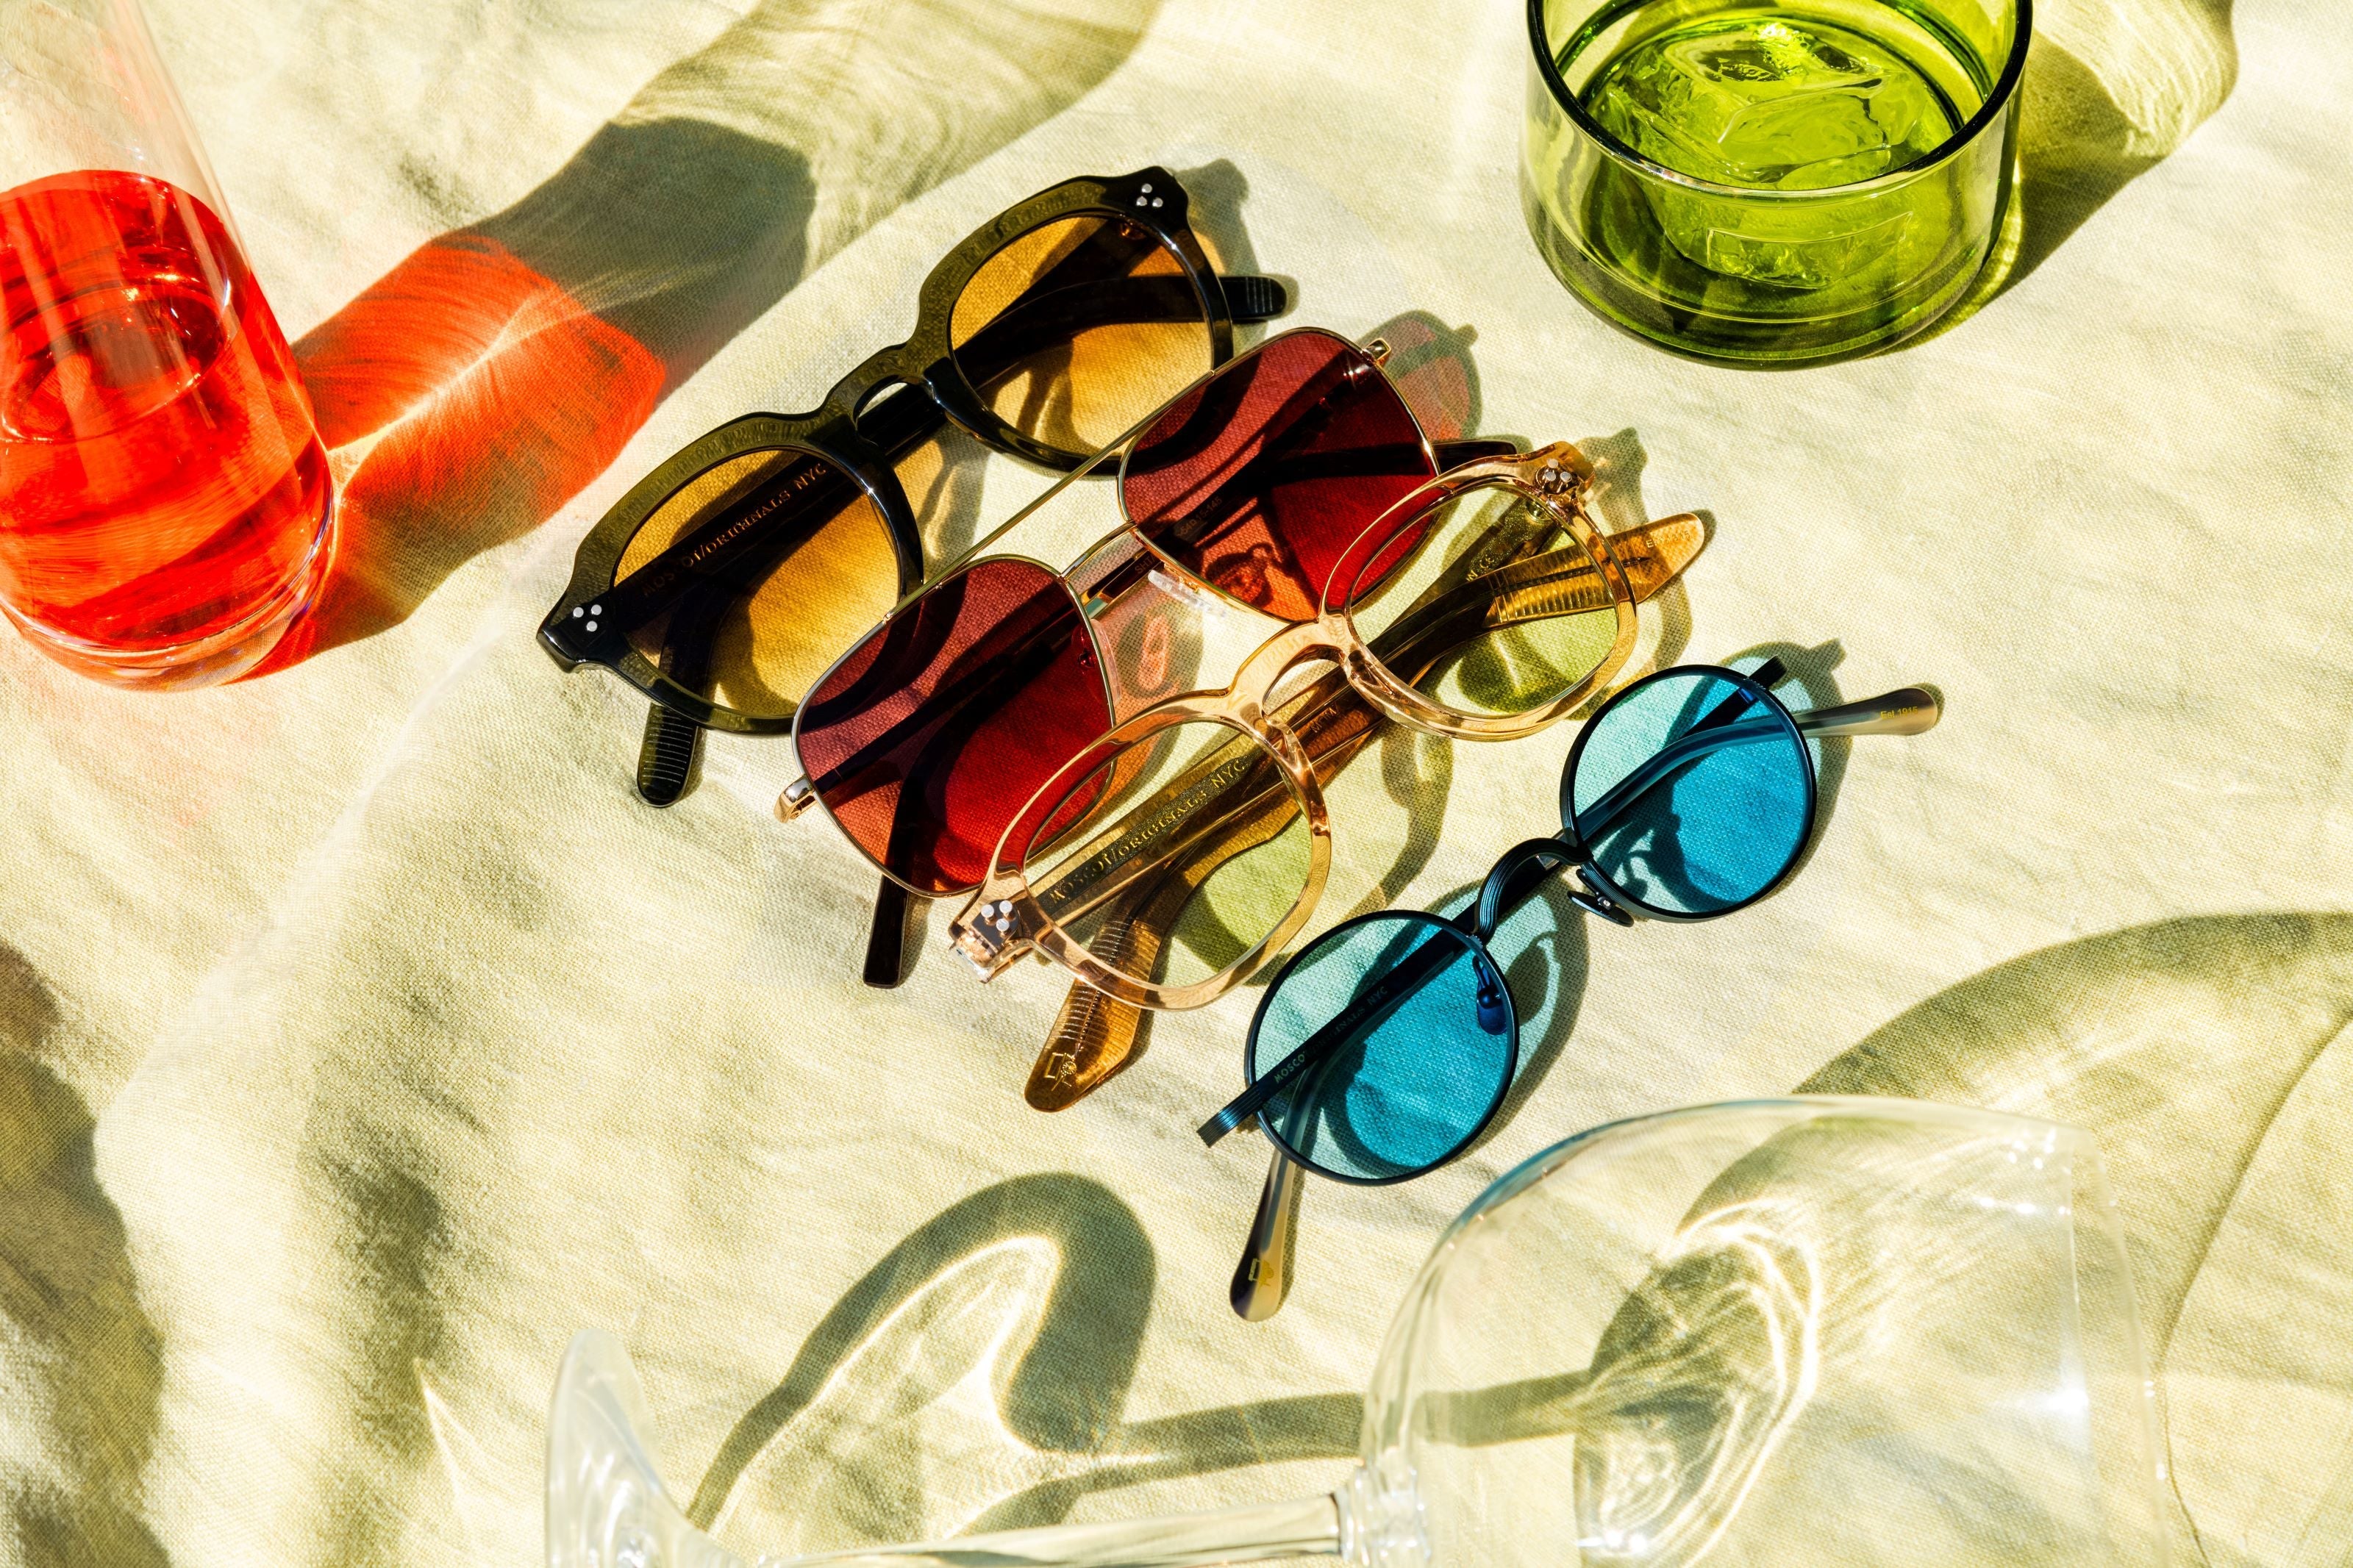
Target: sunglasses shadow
x=1810 y=672
x=1616 y=500
x=1217 y=191
x=1430 y=365
x=1543 y=952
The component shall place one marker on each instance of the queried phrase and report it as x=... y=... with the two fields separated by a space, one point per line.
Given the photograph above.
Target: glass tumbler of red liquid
x=166 y=509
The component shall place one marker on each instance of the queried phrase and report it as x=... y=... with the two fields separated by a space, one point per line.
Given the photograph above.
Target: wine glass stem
x=1305 y=1527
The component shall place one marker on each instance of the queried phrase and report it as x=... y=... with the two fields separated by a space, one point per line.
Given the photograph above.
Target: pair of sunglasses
x=732 y=574
x=1385 y=1049
x=1484 y=605
x=924 y=740
x=1129 y=926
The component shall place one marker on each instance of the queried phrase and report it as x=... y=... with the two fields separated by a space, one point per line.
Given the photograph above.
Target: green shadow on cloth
x=2088 y=128
x=394 y=1235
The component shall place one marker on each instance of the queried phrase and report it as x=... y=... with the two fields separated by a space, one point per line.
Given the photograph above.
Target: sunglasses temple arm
x=1689 y=746
x=1473 y=449
x=897 y=914
x=1262 y=1279
x=1910 y=710
x=1681 y=751
x=1252 y=298
x=1043 y=320
x=1368 y=1011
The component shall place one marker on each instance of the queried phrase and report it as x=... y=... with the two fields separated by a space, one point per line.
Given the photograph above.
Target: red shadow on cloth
x=483 y=382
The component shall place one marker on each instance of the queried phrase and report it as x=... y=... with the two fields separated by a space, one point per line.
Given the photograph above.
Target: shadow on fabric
x=392 y=1238
x=1619 y=460
x=975 y=1378
x=1812 y=674
x=81 y=1364
x=489 y=376
x=2191 y=1048
x=2112 y=87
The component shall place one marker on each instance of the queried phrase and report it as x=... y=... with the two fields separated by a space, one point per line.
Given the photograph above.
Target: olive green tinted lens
x=1486 y=604
x=1198 y=850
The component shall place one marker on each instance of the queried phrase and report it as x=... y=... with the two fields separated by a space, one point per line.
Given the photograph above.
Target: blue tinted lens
x=1692 y=794
x=1422 y=1044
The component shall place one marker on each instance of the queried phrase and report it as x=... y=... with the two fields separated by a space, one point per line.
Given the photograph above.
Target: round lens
x=1486 y=603
x=924 y=741
x=1079 y=329
x=1256 y=480
x=1410 y=1042
x=792 y=561
x=1196 y=850
x=1692 y=791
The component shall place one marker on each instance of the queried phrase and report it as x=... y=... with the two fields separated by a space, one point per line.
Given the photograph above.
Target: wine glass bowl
x=1819 y=1332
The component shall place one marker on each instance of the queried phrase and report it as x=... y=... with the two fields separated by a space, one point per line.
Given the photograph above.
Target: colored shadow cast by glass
x=1770 y=182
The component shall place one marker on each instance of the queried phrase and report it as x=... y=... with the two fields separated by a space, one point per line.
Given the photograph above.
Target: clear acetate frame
x=1201 y=815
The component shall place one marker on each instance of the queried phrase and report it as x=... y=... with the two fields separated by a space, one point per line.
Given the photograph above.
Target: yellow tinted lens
x=1198 y=852
x=1079 y=329
x=1487 y=604
x=809 y=567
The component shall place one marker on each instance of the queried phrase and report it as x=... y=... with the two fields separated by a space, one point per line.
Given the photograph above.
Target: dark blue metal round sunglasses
x=1385 y=1047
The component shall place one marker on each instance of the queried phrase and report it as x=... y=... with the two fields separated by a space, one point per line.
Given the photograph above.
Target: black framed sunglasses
x=1386 y=1047
x=736 y=571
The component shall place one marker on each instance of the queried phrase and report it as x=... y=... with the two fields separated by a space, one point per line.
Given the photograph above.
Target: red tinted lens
x=1261 y=477
x=930 y=737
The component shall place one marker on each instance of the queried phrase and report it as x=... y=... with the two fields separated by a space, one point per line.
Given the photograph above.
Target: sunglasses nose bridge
x=1264 y=670
x=989 y=934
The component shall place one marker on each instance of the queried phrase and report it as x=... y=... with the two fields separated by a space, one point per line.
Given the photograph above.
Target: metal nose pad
x=1490 y=998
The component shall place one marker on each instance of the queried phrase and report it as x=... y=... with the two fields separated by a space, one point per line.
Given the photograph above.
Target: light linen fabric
x=361 y=1037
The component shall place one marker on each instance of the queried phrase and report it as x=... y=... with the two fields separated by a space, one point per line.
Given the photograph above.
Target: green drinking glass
x=1771 y=183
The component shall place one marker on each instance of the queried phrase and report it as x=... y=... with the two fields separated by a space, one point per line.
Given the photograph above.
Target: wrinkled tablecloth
x=361 y=1037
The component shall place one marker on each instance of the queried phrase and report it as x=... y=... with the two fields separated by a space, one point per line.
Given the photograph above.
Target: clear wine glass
x=1817 y=1331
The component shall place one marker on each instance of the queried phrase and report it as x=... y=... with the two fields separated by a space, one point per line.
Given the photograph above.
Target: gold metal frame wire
x=1095 y=564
